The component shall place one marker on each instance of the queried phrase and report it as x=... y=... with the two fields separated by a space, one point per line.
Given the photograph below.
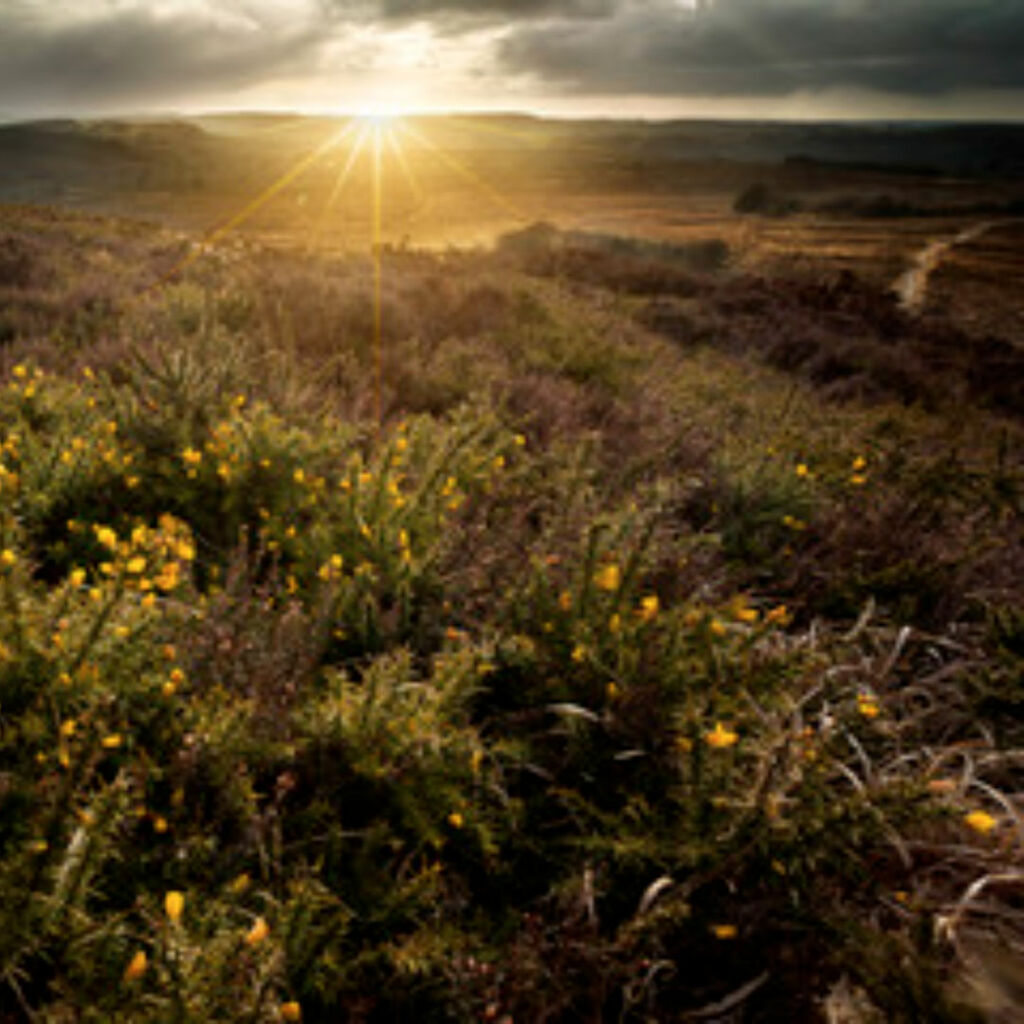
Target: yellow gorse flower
x=239 y=884
x=106 y=536
x=867 y=706
x=257 y=933
x=608 y=578
x=136 y=966
x=174 y=905
x=720 y=737
x=980 y=821
x=169 y=577
x=741 y=610
x=291 y=1011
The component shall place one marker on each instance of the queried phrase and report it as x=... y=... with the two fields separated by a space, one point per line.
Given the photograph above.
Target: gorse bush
x=463 y=717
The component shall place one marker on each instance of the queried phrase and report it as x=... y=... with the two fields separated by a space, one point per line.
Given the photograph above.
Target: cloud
x=146 y=53
x=63 y=57
x=778 y=47
x=465 y=17
x=67 y=56
x=508 y=9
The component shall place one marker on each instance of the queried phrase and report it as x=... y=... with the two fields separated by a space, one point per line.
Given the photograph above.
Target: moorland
x=508 y=570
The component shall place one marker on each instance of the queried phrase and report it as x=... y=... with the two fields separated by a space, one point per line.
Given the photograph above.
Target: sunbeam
x=378 y=274
x=463 y=171
x=339 y=184
x=212 y=237
x=400 y=158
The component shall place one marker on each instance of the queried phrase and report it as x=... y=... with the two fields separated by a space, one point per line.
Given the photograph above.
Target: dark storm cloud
x=455 y=17
x=119 y=54
x=508 y=9
x=134 y=54
x=774 y=47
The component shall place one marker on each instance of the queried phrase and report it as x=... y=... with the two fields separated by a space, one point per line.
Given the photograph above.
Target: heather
x=646 y=645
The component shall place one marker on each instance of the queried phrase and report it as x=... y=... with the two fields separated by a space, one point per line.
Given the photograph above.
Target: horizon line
x=7 y=120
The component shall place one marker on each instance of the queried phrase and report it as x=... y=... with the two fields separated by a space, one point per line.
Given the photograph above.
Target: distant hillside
x=87 y=162
x=73 y=160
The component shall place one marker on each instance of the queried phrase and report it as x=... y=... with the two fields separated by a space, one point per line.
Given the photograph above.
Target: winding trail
x=912 y=286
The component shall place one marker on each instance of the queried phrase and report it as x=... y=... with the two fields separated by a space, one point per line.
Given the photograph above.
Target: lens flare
x=377 y=133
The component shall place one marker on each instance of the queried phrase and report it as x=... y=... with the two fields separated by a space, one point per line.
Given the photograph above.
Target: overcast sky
x=759 y=58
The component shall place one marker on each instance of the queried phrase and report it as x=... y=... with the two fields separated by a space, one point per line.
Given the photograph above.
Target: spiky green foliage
x=474 y=714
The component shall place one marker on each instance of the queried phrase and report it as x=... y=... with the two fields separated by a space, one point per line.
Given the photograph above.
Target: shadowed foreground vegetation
x=630 y=670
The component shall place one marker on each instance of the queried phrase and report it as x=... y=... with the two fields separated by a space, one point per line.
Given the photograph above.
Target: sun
x=377 y=126
x=381 y=112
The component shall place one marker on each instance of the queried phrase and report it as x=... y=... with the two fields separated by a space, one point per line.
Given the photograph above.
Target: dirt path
x=912 y=286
